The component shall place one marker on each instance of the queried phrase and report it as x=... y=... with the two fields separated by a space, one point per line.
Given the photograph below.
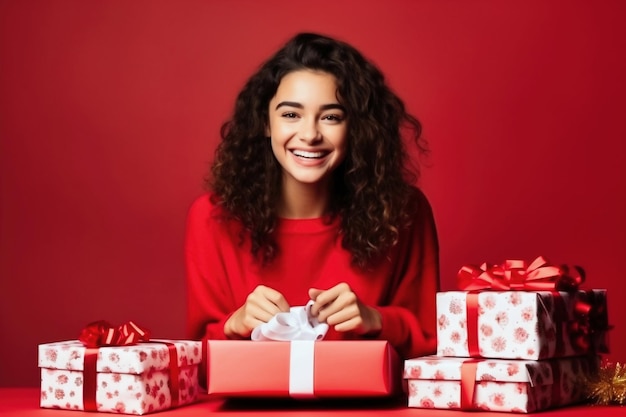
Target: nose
x=309 y=132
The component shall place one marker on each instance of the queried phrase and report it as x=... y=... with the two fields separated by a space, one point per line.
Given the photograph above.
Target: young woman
x=310 y=198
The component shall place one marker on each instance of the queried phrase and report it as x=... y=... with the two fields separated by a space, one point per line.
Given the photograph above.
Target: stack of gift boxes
x=518 y=338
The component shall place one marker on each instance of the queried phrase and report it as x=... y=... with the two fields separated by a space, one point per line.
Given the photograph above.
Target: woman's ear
x=268 y=134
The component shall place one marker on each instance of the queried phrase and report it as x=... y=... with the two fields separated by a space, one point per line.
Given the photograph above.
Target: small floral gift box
x=529 y=315
x=497 y=385
x=136 y=378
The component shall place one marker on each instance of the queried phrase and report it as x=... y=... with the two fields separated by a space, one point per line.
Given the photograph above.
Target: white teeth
x=305 y=154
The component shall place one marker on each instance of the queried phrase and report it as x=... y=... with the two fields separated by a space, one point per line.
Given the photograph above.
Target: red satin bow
x=514 y=274
x=590 y=325
x=101 y=333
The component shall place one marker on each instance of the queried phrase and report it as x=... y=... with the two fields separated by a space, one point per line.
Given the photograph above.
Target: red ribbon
x=174 y=372
x=517 y=275
x=101 y=333
x=468 y=383
x=591 y=325
x=471 y=308
x=469 y=369
x=90 y=379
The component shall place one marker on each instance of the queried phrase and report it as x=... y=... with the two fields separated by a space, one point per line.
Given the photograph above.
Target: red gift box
x=302 y=369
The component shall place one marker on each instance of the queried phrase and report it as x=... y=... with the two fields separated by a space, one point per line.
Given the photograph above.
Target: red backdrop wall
x=110 y=110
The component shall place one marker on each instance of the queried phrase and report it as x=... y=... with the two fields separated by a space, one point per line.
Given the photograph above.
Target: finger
x=325 y=299
x=355 y=323
x=241 y=323
x=342 y=301
x=274 y=297
x=322 y=302
x=262 y=312
x=345 y=301
x=335 y=314
x=329 y=296
x=268 y=299
x=314 y=293
x=318 y=304
x=251 y=323
x=333 y=300
x=359 y=319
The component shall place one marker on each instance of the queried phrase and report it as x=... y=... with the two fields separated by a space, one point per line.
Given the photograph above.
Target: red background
x=110 y=111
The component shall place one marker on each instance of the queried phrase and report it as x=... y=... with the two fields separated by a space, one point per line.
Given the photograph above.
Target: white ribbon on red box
x=302 y=330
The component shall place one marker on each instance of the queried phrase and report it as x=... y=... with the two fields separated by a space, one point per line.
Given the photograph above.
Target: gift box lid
x=130 y=359
x=534 y=372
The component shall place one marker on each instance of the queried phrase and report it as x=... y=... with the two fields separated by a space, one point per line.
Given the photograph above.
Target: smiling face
x=308 y=128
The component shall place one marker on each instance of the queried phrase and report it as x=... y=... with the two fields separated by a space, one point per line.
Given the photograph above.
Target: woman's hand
x=261 y=305
x=340 y=307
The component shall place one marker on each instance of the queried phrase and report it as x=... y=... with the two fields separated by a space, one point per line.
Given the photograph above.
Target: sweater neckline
x=314 y=225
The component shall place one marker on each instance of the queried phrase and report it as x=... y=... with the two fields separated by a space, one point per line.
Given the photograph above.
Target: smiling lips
x=308 y=155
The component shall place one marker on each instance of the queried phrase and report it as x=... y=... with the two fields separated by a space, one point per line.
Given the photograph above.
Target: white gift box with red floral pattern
x=132 y=379
x=516 y=324
x=500 y=385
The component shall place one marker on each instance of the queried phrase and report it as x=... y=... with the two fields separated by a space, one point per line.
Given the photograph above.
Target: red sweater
x=221 y=273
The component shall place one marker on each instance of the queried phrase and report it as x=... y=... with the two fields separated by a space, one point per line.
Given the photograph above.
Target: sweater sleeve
x=208 y=303
x=409 y=320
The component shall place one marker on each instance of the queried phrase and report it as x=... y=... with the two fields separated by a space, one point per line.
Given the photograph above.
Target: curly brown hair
x=372 y=187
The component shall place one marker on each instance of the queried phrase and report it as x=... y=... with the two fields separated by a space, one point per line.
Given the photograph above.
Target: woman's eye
x=333 y=117
x=290 y=115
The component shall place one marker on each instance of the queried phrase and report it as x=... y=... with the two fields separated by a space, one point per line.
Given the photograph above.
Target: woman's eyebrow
x=300 y=106
x=332 y=106
x=289 y=104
